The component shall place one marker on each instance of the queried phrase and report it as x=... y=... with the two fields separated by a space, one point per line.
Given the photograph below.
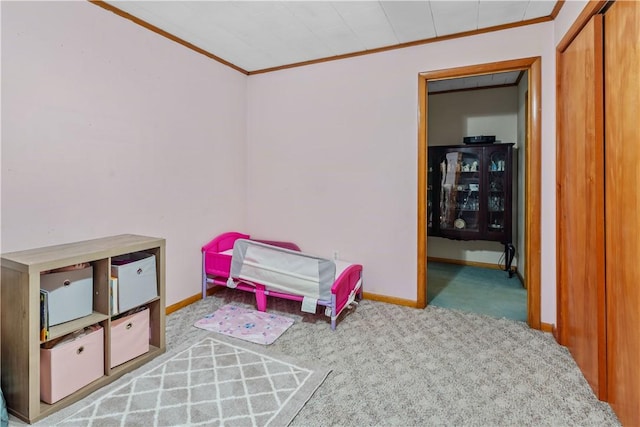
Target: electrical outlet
x=336 y=254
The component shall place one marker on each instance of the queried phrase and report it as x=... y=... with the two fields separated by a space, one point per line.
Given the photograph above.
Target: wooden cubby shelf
x=20 y=317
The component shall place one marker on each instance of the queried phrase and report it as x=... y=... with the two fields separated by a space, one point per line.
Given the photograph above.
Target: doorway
x=531 y=273
x=475 y=264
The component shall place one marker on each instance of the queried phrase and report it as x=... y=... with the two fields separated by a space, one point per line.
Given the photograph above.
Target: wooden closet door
x=622 y=154
x=580 y=210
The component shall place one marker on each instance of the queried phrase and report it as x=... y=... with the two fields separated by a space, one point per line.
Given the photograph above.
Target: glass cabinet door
x=496 y=191
x=459 y=199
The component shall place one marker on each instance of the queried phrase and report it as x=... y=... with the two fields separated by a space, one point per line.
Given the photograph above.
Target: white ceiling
x=259 y=35
x=509 y=78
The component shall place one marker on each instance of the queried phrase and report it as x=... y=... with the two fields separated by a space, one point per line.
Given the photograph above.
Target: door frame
x=532 y=181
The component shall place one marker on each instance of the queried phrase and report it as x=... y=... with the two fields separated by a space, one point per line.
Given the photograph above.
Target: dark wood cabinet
x=470 y=193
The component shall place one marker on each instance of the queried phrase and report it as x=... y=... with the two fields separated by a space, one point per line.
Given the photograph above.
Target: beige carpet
x=214 y=381
x=399 y=366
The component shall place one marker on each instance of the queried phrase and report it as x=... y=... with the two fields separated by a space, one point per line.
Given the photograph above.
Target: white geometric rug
x=214 y=382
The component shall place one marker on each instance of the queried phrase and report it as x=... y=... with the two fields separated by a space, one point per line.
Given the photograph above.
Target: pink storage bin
x=129 y=337
x=70 y=366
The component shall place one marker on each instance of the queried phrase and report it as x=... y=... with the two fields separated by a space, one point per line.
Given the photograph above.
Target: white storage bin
x=137 y=280
x=69 y=294
x=69 y=366
x=129 y=337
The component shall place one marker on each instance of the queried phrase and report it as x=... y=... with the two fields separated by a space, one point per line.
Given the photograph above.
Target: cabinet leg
x=509 y=252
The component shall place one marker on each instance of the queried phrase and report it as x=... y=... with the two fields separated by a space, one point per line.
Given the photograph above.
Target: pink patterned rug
x=249 y=325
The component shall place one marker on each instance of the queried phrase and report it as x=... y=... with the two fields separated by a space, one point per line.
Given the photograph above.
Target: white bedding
x=284 y=270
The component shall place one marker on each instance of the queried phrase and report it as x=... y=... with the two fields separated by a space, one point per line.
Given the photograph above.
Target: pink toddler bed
x=280 y=269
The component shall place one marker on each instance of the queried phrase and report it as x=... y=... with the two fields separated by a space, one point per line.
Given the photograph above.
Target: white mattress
x=283 y=270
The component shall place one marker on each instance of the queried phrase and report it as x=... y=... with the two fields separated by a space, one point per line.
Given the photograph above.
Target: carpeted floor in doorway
x=476 y=290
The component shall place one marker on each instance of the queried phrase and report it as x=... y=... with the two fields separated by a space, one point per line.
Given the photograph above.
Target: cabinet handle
x=139 y=271
x=80 y=350
x=129 y=326
x=66 y=282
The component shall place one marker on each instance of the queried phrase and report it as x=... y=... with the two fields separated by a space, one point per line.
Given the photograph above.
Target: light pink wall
x=567 y=16
x=108 y=128
x=332 y=154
